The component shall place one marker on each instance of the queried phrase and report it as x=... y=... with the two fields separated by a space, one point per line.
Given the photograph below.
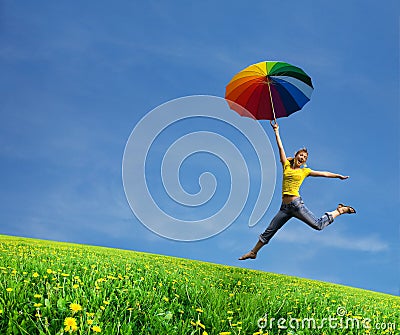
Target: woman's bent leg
x=277 y=222
x=305 y=215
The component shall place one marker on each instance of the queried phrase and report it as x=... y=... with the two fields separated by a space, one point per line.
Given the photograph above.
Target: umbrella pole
x=272 y=104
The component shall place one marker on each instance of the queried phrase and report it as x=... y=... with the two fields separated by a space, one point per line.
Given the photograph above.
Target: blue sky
x=77 y=78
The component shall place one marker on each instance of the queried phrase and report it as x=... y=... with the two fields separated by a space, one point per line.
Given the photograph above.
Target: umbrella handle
x=272 y=104
x=273 y=122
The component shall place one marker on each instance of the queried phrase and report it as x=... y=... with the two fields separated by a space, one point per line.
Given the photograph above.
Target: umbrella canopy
x=269 y=90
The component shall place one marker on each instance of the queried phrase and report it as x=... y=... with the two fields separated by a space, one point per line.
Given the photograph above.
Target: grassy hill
x=60 y=288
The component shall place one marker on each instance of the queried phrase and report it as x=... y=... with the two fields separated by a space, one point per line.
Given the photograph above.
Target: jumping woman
x=292 y=205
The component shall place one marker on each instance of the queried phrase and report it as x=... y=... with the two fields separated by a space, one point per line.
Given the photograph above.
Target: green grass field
x=60 y=288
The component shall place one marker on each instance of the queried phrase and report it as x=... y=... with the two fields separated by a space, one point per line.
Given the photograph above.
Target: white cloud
x=333 y=239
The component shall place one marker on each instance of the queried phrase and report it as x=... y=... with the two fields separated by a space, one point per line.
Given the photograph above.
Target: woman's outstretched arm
x=282 y=154
x=327 y=174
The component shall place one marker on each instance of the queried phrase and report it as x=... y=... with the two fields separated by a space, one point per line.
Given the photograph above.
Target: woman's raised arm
x=282 y=154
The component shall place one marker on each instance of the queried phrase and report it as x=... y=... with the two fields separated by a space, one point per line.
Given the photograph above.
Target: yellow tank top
x=292 y=179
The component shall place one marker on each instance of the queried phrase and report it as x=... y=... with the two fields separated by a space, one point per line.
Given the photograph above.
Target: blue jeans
x=296 y=209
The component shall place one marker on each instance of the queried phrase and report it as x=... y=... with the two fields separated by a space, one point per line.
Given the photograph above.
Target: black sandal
x=350 y=210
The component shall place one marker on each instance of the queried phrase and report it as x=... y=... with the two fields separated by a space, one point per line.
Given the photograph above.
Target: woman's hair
x=291 y=159
x=301 y=150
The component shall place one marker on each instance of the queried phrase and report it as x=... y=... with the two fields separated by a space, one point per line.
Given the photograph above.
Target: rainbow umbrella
x=269 y=90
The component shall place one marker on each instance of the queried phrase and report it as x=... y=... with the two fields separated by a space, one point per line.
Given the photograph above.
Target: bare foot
x=251 y=254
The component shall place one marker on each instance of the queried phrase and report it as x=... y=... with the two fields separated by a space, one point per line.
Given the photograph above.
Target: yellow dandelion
x=75 y=307
x=49 y=271
x=199 y=310
x=37 y=305
x=9 y=289
x=96 y=329
x=166 y=299
x=35 y=275
x=89 y=322
x=198 y=323
x=102 y=308
x=105 y=302
x=70 y=324
x=75 y=286
x=225 y=333
x=37 y=296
